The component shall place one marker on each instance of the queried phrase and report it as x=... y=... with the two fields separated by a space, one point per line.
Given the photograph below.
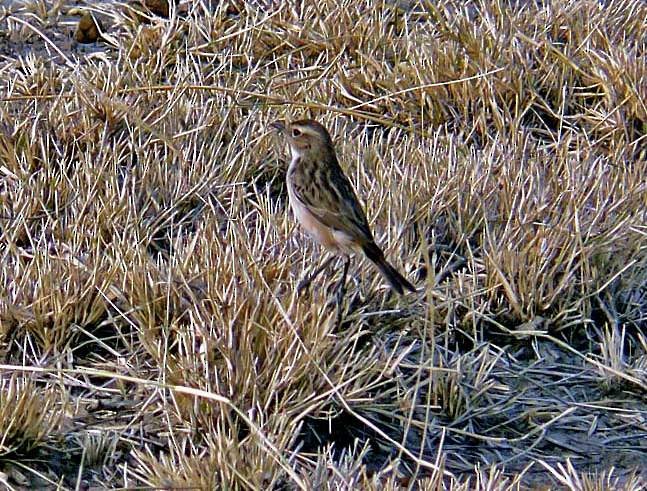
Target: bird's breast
x=334 y=240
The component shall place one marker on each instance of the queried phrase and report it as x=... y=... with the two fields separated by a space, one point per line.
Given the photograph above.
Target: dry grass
x=150 y=333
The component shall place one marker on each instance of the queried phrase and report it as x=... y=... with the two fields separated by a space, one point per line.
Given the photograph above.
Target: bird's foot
x=305 y=282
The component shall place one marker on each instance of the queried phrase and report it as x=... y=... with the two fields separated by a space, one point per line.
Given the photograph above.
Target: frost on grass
x=150 y=333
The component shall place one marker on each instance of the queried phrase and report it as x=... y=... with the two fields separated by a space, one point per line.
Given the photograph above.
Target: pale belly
x=334 y=240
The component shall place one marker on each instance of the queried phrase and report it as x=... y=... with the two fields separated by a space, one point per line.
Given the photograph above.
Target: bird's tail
x=398 y=282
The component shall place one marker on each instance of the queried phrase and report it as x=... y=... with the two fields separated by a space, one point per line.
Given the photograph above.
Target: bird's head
x=305 y=136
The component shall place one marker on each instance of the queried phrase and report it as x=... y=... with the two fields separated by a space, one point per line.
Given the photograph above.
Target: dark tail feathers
x=398 y=282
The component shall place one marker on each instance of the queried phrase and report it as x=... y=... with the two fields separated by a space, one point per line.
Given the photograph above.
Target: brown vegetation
x=150 y=331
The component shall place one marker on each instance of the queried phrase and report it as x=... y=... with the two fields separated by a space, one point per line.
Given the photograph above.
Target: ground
x=151 y=333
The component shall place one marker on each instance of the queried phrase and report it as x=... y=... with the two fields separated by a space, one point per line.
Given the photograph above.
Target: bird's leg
x=305 y=282
x=341 y=290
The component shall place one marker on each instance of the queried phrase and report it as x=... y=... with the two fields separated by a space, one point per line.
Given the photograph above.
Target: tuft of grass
x=150 y=330
x=28 y=415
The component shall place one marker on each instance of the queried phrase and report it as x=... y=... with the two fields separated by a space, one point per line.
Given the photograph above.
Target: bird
x=89 y=29
x=325 y=204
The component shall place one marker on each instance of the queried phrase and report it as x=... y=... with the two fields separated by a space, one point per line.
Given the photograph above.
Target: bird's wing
x=331 y=199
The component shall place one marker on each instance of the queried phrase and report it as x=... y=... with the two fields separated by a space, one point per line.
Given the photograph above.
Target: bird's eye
x=296 y=132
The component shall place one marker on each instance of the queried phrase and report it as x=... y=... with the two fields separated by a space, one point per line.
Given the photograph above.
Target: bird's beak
x=278 y=125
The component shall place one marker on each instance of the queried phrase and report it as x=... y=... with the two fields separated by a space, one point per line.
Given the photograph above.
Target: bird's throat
x=294 y=163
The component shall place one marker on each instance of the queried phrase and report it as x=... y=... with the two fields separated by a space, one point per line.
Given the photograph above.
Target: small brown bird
x=88 y=30
x=325 y=204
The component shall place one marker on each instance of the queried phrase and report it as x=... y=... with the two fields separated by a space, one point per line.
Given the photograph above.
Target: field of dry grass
x=150 y=331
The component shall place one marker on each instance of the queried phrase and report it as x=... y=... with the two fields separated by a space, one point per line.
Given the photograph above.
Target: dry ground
x=150 y=333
